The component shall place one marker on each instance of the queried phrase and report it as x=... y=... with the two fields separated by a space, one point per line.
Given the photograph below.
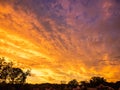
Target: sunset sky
x=61 y=40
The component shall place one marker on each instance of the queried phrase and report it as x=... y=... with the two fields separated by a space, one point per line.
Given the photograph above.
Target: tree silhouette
x=95 y=81
x=84 y=83
x=73 y=83
x=5 y=69
x=10 y=74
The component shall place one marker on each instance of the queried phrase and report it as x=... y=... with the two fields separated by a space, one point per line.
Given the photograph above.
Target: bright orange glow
x=55 y=56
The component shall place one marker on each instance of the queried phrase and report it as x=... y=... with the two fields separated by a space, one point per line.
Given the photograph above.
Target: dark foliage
x=73 y=83
x=10 y=74
x=96 y=81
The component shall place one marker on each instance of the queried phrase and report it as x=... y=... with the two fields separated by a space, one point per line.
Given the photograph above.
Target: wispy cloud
x=62 y=39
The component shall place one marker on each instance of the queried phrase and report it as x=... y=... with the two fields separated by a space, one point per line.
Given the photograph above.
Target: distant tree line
x=94 y=82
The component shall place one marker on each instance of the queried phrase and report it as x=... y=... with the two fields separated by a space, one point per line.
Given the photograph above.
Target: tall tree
x=10 y=74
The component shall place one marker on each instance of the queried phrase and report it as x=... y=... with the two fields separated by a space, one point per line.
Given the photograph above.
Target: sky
x=61 y=40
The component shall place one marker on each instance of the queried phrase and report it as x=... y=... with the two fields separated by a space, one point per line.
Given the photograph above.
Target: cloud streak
x=62 y=39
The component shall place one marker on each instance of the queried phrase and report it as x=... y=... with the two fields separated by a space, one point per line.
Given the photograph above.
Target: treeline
x=95 y=82
x=48 y=86
x=13 y=78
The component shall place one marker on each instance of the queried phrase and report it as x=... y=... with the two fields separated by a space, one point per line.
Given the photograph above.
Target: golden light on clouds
x=56 y=50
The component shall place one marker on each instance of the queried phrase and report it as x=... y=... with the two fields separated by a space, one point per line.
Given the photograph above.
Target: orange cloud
x=54 y=52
